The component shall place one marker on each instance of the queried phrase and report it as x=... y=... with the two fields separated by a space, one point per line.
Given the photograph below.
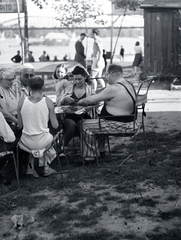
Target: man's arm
x=5 y=130
x=12 y=59
x=52 y=115
x=8 y=116
x=107 y=94
x=20 y=104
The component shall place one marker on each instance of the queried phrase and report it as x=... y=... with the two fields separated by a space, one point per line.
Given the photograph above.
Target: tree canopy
x=130 y=4
x=76 y=12
x=73 y=12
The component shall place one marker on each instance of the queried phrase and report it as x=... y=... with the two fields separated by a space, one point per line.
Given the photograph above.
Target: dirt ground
x=137 y=200
x=128 y=207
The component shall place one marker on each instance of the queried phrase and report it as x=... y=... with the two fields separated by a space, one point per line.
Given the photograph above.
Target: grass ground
x=137 y=200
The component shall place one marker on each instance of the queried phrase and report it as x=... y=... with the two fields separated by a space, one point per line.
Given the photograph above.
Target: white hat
x=26 y=66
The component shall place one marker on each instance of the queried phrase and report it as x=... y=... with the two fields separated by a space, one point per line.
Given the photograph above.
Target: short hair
x=115 y=68
x=96 y=31
x=83 y=34
x=59 y=66
x=36 y=83
x=137 y=43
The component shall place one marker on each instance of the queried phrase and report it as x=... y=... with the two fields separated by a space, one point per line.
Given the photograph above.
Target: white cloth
x=5 y=130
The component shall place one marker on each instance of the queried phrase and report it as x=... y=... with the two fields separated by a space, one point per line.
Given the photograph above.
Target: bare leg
x=101 y=80
x=135 y=70
x=94 y=84
x=102 y=83
x=93 y=80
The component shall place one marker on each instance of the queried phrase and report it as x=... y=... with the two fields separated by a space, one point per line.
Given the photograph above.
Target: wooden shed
x=162 y=36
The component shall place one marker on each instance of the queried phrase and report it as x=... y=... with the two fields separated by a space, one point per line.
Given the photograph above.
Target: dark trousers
x=7 y=161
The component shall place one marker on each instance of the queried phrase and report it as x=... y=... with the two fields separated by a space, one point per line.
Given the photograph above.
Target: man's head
x=7 y=76
x=26 y=71
x=114 y=73
x=82 y=36
x=18 y=52
x=94 y=33
x=36 y=83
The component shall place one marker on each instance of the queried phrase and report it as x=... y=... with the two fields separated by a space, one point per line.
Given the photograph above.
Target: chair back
x=142 y=92
x=3 y=144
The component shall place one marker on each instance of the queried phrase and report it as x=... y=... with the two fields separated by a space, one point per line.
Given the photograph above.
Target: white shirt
x=138 y=49
x=35 y=117
x=5 y=130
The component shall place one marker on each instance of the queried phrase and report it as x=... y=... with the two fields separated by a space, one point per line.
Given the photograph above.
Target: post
x=111 y=32
x=20 y=32
x=26 y=46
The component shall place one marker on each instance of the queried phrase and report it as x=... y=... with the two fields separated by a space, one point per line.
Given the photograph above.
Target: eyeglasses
x=10 y=79
x=108 y=73
x=78 y=79
x=26 y=75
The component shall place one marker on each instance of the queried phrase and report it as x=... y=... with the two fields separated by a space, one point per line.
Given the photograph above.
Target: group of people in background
x=43 y=58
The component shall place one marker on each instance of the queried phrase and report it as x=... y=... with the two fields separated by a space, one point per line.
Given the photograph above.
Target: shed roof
x=161 y=4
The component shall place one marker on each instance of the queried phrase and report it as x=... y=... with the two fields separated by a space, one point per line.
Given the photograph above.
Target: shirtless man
x=98 y=60
x=119 y=99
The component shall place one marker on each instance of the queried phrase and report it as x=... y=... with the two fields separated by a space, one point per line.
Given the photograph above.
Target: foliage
x=74 y=12
x=130 y=4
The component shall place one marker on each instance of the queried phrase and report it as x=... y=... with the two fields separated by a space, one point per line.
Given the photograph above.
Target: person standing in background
x=44 y=57
x=105 y=59
x=17 y=58
x=79 y=48
x=122 y=53
x=97 y=61
x=138 y=57
x=30 y=57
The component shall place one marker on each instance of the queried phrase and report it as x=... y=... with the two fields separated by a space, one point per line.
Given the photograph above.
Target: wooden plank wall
x=160 y=33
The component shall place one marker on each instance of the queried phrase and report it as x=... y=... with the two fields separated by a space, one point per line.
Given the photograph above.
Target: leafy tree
x=74 y=12
x=129 y=4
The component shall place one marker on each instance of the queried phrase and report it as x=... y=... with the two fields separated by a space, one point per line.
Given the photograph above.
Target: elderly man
x=20 y=85
x=8 y=100
x=119 y=99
